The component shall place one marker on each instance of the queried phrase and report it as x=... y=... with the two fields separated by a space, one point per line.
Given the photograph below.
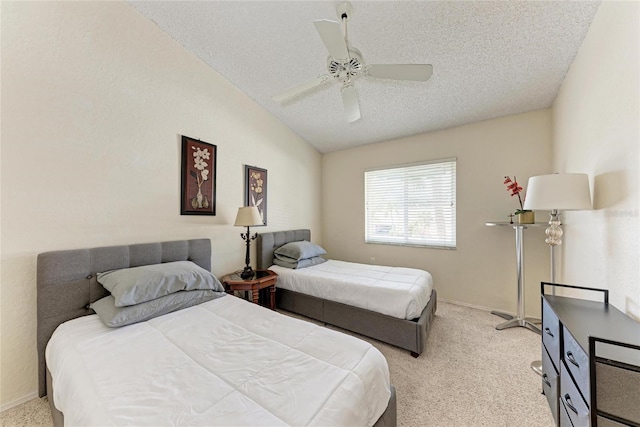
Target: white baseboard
x=20 y=401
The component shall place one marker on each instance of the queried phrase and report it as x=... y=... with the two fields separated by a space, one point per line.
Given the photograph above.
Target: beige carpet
x=470 y=375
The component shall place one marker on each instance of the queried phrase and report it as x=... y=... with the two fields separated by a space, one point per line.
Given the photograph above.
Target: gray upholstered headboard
x=67 y=280
x=267 y=242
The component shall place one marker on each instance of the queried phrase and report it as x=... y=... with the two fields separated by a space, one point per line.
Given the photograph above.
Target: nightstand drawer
x=578 y=363
x=550 y=384
x=551 y=333
x=576 y=407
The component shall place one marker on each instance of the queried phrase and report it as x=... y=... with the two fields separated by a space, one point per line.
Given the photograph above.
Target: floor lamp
x=556 y=192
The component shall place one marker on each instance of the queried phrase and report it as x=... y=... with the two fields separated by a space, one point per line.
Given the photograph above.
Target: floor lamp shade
x=563 y=192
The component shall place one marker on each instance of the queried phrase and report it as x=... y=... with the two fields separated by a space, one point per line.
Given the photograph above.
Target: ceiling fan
x=345 y=64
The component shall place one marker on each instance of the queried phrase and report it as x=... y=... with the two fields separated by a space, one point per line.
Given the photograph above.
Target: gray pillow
x=299 y=250
x=135 y=285
x=299 y=264
x=115 y=317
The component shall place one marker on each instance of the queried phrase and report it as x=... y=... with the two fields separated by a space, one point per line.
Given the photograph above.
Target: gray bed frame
x=407 y=334
x=67 y=284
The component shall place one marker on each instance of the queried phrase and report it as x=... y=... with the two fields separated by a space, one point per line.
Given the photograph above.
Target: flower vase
x=199 y=198
x=527 y=217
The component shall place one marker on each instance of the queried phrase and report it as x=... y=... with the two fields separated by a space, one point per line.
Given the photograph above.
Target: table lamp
x=248 y=216
x=556 y=192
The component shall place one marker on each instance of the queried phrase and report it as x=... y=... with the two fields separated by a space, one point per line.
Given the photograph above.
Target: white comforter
x=394 y=291
x=225 y=362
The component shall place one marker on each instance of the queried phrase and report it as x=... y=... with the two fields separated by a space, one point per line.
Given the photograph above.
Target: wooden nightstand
x=262 y=279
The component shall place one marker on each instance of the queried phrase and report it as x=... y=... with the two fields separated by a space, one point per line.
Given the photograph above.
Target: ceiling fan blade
x=301 y=88
x=350 y=101
x=332 y=38
x=416 y=72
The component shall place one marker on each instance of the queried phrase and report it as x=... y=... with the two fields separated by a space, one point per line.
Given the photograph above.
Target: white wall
x=94 y=100
x=596 y=131
x=481 y=271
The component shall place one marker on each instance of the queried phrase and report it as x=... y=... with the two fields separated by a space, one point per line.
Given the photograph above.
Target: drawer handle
x=571 y=358
x=567 y=400
x=545 y=380
x=548 y=332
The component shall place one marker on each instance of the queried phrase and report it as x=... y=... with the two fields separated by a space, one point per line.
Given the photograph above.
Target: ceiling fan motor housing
x=343 y=71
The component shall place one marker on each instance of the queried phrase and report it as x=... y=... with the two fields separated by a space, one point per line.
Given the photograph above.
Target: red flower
x=514 y=188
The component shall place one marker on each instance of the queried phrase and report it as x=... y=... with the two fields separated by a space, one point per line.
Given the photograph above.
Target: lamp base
x=247 y=273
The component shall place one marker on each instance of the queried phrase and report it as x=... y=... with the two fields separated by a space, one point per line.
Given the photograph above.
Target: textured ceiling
x=490 y=59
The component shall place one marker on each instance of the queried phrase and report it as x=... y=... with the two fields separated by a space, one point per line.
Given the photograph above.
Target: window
x=412 y=204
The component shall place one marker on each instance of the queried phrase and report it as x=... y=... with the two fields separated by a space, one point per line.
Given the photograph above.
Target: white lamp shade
x=564 y=192
x=248 y=216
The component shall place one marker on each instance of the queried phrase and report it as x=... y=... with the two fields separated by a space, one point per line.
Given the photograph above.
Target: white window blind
x=412 y=204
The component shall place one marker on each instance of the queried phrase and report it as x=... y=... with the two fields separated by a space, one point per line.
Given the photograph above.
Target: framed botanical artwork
x=198 y=195
x=255 y=192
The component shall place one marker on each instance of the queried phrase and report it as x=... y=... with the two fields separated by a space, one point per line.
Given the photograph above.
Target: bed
x=409 y=334
x=247 y=364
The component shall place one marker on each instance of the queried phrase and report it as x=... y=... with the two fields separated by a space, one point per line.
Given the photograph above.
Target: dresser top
x=585 y=318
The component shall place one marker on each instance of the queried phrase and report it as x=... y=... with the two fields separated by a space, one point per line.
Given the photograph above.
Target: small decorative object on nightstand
x=248 y=216
x=261 y=279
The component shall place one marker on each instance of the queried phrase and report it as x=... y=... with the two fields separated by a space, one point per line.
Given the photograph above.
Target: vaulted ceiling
x=490 y=59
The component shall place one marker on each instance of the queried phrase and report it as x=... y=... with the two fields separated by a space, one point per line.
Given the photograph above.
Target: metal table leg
x=519 y=319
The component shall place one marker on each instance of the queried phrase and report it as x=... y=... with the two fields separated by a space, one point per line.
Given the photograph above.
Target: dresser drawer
x=550 y=384
x=551 y=333
x=564 y=416
x=576 y=407
x=578 y=363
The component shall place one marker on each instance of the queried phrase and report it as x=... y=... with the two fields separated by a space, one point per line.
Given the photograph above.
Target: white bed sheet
x=225 y=362
x=395 y=291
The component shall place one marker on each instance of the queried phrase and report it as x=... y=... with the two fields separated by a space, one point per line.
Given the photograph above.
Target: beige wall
x=94 y=100
x=596 y=131
x=481 y=271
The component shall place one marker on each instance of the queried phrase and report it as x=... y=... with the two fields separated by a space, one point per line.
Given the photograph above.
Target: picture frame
x=255 y=192
x=198 y=177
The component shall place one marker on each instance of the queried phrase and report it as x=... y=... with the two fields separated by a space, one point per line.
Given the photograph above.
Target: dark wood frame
x=253 y=197
x=190 y=176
